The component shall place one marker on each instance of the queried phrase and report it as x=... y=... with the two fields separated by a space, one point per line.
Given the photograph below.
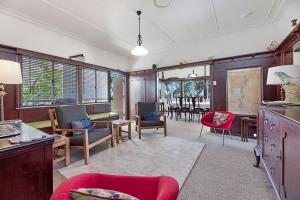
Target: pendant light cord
x=139 y=40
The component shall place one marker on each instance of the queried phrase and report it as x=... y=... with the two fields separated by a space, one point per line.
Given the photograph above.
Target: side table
x=117 y=128
x=61 y=142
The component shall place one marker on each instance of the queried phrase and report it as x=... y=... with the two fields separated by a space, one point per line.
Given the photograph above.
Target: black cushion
x=97 y=134
x=152 y=123
x=143 y=107
x=67 y=114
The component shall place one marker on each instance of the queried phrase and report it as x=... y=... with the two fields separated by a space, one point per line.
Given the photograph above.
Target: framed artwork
x=244 y=91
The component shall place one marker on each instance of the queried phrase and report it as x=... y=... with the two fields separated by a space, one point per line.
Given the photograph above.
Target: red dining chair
x=207 y=120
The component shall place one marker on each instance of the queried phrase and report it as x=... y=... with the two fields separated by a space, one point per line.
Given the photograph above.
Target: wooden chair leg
x=67 y=152
x=140 y=133
x=112 y=141
x=86 y=150
x=86 y=155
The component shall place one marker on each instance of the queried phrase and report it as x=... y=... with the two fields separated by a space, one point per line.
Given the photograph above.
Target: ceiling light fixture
x=139 y=50
x=193 y=75
x=167 y=3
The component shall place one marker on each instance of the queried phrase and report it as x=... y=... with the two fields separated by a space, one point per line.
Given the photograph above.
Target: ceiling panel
x=112 y=25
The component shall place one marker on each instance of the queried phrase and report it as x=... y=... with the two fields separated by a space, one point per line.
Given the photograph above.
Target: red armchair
x=207 y=120
x=144 y=188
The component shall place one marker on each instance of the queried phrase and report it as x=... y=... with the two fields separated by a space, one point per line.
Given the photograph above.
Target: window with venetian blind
x=48 y=82
x=94 y=85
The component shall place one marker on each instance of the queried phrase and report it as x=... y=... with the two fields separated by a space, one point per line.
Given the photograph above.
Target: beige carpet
x=155 y=155
x=220 y=173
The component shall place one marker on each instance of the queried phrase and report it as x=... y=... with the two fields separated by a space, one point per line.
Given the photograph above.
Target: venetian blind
x=47 y=82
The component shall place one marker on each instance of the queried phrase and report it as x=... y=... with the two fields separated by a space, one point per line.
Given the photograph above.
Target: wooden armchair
x=141 y=123
x=61 y=119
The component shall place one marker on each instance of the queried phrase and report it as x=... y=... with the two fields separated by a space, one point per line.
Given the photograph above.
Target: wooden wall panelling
x=219 y=74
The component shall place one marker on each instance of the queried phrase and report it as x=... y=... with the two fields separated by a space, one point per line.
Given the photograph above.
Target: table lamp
x=10 y=73
x=288 y=76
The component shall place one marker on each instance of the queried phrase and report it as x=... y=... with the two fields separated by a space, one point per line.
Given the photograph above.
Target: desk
x=117 y=128
x=26 y=168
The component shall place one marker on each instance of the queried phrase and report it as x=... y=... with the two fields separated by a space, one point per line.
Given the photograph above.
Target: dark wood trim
x=59 y=59
x=127 y=96
x=185 y=65
x=185 y=79
x=292 y=38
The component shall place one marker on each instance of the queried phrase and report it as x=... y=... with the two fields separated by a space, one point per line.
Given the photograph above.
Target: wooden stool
x=61 y=142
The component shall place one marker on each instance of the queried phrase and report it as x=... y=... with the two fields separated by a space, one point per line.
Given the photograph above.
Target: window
x=95 y=86
x=193 y=88
x=172 y=89
x=47 y=82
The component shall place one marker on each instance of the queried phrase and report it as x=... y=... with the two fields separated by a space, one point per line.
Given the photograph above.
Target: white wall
x=22 y=34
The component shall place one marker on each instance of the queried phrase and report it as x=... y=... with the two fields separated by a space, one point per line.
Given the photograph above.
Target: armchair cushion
x=67 y=114
x=97 y=134
x=220 y=118
x=82 y=124
x=151 y=116
x=143 y=107
x=152 y=123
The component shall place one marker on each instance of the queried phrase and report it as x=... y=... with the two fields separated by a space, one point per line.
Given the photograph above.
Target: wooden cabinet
x=279 y=145
x=27 y=168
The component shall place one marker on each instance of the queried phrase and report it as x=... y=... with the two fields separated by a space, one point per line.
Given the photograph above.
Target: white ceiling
x=112 y=24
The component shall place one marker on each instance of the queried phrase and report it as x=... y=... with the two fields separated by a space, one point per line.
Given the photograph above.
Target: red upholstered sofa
x=144 y=188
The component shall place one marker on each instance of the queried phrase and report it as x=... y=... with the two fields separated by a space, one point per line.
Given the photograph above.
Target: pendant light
x=193 y=75
x=139 y=50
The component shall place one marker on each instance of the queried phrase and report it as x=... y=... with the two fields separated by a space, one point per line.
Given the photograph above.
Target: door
x=137 y=93
x=118 y=101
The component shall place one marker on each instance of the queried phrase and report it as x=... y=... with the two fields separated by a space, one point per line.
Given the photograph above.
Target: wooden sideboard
x=26 y=169
x=279 y=148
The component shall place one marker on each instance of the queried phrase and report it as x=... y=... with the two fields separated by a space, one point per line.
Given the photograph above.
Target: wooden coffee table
x=117 y=128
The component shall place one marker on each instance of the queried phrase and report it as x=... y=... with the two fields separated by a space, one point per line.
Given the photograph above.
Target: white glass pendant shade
x=139 y=51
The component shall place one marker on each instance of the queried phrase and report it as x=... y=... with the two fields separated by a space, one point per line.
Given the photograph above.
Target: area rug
x=154 y=155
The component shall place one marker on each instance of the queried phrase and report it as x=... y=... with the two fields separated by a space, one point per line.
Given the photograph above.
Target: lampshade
x=139 y=51
x=290 y=70
x=10 y=72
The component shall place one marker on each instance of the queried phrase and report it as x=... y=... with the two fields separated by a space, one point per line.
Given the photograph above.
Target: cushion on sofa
x=97 y=134
x=152 y=123
x=83 y=124
x=99 y=194
x=67 y=114
x=151 y=116
x=220 y=118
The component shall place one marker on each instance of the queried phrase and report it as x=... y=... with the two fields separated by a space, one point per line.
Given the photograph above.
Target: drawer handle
x=272 y=127
x=273 y=145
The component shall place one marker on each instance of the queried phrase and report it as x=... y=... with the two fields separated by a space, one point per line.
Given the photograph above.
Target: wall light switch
x=214 y=82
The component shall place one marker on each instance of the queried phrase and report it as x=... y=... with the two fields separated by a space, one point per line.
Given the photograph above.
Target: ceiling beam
x=213 y=11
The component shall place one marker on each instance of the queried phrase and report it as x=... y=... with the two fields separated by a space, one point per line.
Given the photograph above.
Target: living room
x=149 y=100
